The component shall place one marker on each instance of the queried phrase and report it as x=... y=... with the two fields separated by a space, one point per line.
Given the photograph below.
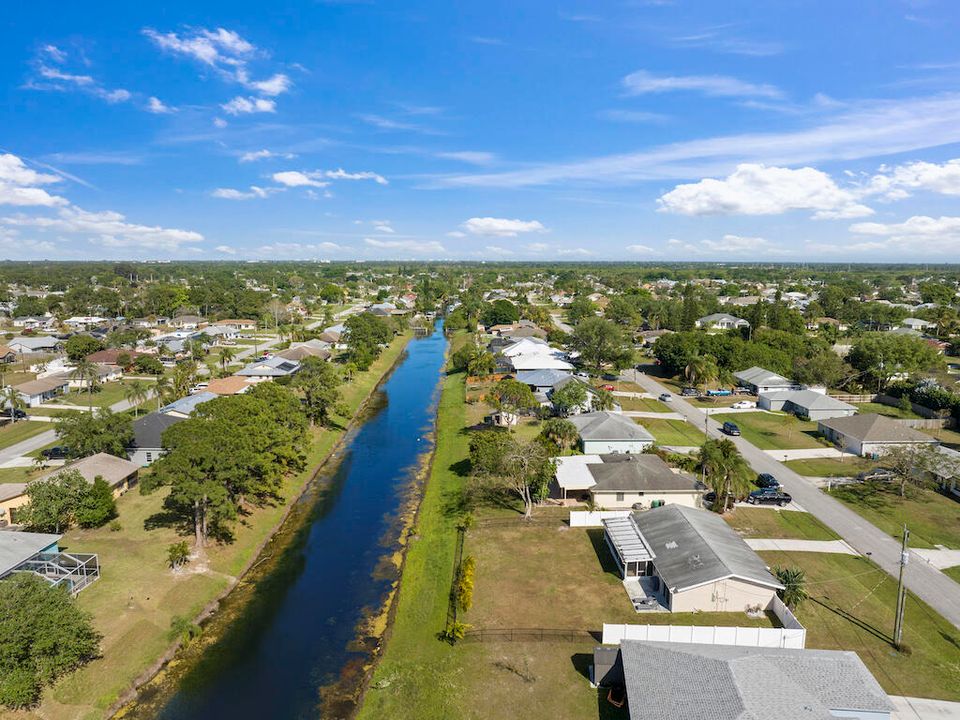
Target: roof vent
x=695 y=561
x=671 y=545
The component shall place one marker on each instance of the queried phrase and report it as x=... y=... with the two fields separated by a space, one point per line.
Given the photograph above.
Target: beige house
x=691 y=560
x=871 y=435
x=624 y=481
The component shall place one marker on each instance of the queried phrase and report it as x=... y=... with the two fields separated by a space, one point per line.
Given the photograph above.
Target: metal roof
x=694 y=547
x=727 y=682
x=627 y=539
x=606 y=425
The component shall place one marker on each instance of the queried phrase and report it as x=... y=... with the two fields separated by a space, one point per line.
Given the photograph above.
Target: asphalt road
x=923 y=580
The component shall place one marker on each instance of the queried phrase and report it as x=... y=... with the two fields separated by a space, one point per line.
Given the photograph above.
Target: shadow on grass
x=604 y=556
x=582 y=662
x=840 y=612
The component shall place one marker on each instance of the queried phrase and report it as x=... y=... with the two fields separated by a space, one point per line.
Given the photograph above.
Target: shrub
x=465 y=583
x=178 y=555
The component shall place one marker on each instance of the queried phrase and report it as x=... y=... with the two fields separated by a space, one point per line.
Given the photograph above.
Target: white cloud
x=226 y=249
x=158 y=107
x=739 y=244
x=472 y=157
x=919 y=228
x=497 y=250
x=579 y=251
x=284 y=250
x=50 y=77
x=456 y=234
x=246 y=105
x=19 y=184
x=538 y=247
x=110 y=229
x=383 y=226
x=341 y=174
x=253 y=192
x=869 y=129
x=276 y=85
x=501 y=227
x=115 y=96
x=643 y=82
x=219 y=122
x=632 y=116
x=255 y=155
x=295 y=178
x=760 y=190
x=641 y=249
x=415 y=246
x=50 y=73
x=894 y=183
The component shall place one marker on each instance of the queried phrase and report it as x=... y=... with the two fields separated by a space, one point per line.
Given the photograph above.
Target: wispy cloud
x=501 y=227
x=643 y=82
x=723 y=39
x=51 y=74
x=633 y=116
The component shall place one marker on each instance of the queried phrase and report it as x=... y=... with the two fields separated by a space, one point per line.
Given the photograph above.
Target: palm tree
x=227 y=355
x=726 y=471
x=481 y=363
x=86 y=372
x=13 y=401
x=560 y=432
x=794 y=581
x=701 y=370
x=162 y=389
x=136 y=394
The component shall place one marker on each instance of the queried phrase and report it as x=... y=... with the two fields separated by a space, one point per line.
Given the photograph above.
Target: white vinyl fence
x=581 y=518
x=705 y=635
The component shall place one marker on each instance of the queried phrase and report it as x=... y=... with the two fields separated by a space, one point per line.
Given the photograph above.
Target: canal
x=296 y=633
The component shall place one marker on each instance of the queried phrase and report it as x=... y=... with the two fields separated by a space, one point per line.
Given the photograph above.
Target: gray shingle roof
x=694 y=547
x=810 y=400
x=607 y=425
x=112 y=469
x=638 y=473
x=148 y=430
x=725 y=682
x=876 y=428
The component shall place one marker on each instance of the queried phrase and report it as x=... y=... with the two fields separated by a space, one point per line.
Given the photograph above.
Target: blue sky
x=633 y=130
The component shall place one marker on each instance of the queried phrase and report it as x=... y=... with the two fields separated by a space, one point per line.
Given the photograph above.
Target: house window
x=149 y=457
x=619 y=497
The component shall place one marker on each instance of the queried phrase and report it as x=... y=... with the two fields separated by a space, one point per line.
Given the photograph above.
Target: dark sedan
x=769 y=497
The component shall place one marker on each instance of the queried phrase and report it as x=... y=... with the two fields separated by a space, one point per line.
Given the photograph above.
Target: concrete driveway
x=923 y=580
x=908 y=708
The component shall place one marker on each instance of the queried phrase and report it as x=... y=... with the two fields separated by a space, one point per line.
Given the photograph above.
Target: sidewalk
x=653 y=415
x=940 y=558
x=808 y=454
x=908 y=708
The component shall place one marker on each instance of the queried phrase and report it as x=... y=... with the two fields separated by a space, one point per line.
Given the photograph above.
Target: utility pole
x=901 y=591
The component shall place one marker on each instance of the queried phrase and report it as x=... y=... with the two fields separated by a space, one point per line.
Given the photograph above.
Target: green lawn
x=953 y=572
x=17 y=475
x=107 y=395
x=642 y=404
x=831 y=467
x=773 y=431
x=768 y=523
x=133 y=602
x=673 y=432
x=932 y=518
x=12 y=433
x=950 y=438
x=888 y=410
x=851 y=607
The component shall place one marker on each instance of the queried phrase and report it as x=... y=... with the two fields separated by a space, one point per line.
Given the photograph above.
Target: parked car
x=57 y=452
x=741 y=390
x=879 y=474
x=710 y=497
x=609 y=376
x=582 y=375
x=665 y=397
x=609 y=388
x=690 y=392
x=743 y=405
x=730 y=428
x=766 y=480
x=769 y=496
x=722 y=392
x=16 y=414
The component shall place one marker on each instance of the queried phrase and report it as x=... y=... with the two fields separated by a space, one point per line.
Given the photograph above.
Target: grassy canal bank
x=137 y=597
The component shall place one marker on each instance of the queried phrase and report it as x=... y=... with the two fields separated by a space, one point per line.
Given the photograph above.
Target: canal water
x=296 y=634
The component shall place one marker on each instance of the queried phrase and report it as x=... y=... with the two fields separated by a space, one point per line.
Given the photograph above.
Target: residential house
x=518 y=330
x=39 y=553
x=650 y=337
x=105 y=373
x=384 y=309
x=810 y=404
x=608 y=432
x=187 y=322
x=269 y=369
x=34 y=322
x=298 y=352
x=111 y=356
x=185 y=406
x=221 y=334
x=239 y=324
x=620 y=481
x=37 y=392
x=39 y=344
x=531 y=354
x=759 y=380
x=147 y=443
x=730 y=682
x=871 y=435
x=590 y=395
x=541 y=381
x=721 y=321
x=11 y=499
x=916 y=324
x=7 y=355
x=231 y=385
x=694 y=560
x=118 y=473
x=84 y=322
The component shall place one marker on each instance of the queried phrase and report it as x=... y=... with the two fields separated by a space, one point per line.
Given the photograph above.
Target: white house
x=721 y=321
x=608 y=432
x=620 y=481
x=871 y=435
x=37 y=392
x=805 y=403
x=759 y=380
x=84 y=322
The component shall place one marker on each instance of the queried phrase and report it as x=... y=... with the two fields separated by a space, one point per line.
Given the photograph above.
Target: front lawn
x=673 y=432
x=773 y=431
x=642 y=404
x=851 y=607
x=12 y=433
x=932 y=518
x=831 y=467
x=108 y=394
x=769 y=523
x=888 y=410
x=953 y=572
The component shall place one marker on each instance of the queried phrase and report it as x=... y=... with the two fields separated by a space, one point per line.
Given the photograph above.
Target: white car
x=743 y=405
